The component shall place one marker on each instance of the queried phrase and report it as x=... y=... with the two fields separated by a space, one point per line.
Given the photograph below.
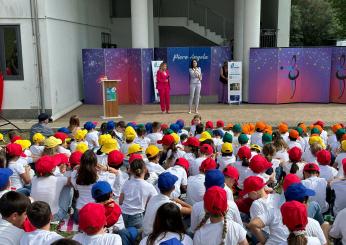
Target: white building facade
x=41 y=41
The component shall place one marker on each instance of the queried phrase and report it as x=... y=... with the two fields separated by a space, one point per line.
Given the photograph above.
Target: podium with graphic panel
x=110 y=99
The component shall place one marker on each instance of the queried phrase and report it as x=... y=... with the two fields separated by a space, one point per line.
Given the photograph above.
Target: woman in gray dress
x=195 y=84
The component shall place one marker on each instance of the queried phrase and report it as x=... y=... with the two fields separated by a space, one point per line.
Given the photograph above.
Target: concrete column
x=284 y=21
x=151 y=36
x=238 y=29
x=251 y=38
x=139 y=24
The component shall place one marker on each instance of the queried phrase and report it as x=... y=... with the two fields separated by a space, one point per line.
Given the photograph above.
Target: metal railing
x=197 y=12
x=268 y=38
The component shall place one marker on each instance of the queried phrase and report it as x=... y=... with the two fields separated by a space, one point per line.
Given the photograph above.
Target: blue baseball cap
x=297 y=192
x=172 y=241
x=218 y=132
x=166 y=181
x=100 y=188
x=149 y=127
x=89 y=125
x=214 y=177
x=175 y=128
x=64 y=130
x=5 y=174
x=181 y=123
x=110 y=125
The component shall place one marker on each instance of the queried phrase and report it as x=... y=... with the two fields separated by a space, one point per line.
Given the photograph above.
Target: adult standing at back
x=163 y=86
x=195 y=84
x=224 y=80
x=42 y=126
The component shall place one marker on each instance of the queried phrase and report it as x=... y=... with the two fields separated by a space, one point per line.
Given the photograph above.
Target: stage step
x=184 y=99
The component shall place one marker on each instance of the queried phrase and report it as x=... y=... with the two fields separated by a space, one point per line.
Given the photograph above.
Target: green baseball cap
x=315 y=131
x=243 y=139
x=237 y=128
x=267 y=138
x=227 y=138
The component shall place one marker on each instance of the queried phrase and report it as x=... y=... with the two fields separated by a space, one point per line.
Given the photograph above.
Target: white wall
x=21 y=94
x=284 y=23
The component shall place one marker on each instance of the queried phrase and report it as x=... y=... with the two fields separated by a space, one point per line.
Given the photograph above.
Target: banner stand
x=155 y=65
x=234 y=90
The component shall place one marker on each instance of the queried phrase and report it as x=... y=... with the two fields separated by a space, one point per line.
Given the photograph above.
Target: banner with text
x=234 y=82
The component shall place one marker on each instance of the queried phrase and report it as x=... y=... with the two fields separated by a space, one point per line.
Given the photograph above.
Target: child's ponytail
x=224 y=230
x=203 y=221
x=294 y=168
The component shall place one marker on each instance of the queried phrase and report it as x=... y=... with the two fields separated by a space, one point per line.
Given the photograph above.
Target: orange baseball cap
x=294 y=134
x=260 y=125
x=283 y=127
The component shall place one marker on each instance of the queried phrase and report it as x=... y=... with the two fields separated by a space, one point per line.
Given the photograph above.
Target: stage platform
x=273 y=114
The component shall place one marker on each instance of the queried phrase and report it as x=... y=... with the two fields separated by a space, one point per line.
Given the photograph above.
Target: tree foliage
x=339 y=7
x=313 y=23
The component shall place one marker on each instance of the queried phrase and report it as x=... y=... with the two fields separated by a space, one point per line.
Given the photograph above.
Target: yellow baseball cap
x=38 y=138
x=255 y=147
x=176 y=138
x=152 y=151
x=25 y=144
x=82 y=147
x=227 y=148
x=317 y=139
x=109 y=145
x=343 y=145
x=1 y=137
x=52 y=142
x=103 y=138
x=205 y=136
x=134 y=148
x=80 y=134
x=130 y=133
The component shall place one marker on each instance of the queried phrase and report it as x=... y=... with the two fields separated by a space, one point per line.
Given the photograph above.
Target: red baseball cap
x=209 y=124
x=294 y=215
x=166 y=140
x=14 y=150
x=215 y=201
x=113 y=212
x=311 y=167
x=92 y=218
x=324 y=157
x=135 y=157
x=244 y=152
x=60 y=135
x=220 y=124
x=295 y=154
x=61 y=158
x=289 y=180
x=45 y=165
x=344 y=165
x=319 y=123
x=183 y=162
x=191 y=141
x=115 y=158
x=252 y=183
x=207 y=149
x=75 y=158
x=164 y=127
x=207 y=164
x=259 y=164
x=15 y=138
x=231 y=172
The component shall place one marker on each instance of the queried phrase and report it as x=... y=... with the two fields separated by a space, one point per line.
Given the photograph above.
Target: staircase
x=195 y=17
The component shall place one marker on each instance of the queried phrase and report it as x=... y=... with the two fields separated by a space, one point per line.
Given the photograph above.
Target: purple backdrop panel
x=160 y=54
x=203 y=56
x=289 y=79
x=218 y=56
x=263 y=75
x=117 y=64
x=178 y=64
x=148 y=86
x=316 y=75
x=134 y=76
x=338 y=75
x=93 y=68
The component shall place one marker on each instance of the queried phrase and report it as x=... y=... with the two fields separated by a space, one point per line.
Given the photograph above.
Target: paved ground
x=273 y=114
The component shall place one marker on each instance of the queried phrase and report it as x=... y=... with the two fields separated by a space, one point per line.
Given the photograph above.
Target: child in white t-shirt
x=326 y=171
x=13 y=207
x=62 y=148
x=39 y=215
x=92 y=220
x=338 y=229
x=295 y=165
x=130 y=135
x=38 y=145
x=206 y=151
x=197 y=119
x=92 y=135
x=135 y=194
x=264 y=212
x=156 y=135
x=220 y=230
x=141 y=139
x=339 y=158
x=314 y=182
x=153 y=166
x=115 y=161
x=79 y=137
x=226 y=157
x=191 y=148
x=180 y=170
x=338 y=186
x=242 y=165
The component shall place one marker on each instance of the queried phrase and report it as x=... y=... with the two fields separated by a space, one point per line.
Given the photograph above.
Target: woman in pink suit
x=163 y=86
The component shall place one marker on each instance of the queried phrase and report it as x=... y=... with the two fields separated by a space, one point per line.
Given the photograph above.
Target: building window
x=11 y=62
x=107 y=40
